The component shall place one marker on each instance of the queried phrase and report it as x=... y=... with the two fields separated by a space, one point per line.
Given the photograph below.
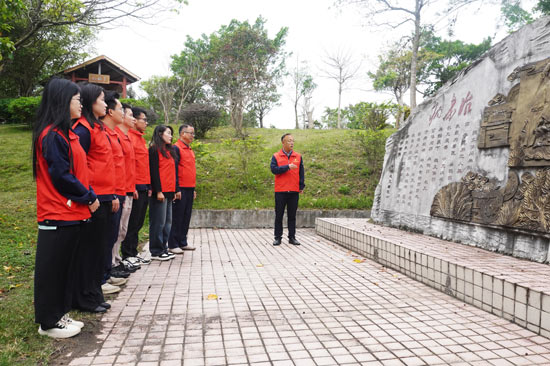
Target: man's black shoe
x=277 y=242
x=115 y=272
x=105 y=305
x=98 y=309
x=122 y=268
x=293 y=241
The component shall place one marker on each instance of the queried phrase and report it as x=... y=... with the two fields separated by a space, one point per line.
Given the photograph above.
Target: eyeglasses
x=191 y=133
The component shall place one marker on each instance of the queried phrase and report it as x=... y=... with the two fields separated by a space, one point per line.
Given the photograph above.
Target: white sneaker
x=143 y=260
x=175 y=250
x=70 y=321
x=61 y=330
x=117 y=281
x=107 y=288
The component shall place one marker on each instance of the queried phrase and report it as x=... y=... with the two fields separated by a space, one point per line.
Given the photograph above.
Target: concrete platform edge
x=521 y=305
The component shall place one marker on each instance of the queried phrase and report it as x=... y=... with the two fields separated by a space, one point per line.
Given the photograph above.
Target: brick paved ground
x=307 y=305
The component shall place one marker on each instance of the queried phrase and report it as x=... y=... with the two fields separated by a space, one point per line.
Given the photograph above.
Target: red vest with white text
x=289 y=181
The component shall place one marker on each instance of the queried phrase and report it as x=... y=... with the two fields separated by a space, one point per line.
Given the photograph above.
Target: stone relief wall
x=476 y=156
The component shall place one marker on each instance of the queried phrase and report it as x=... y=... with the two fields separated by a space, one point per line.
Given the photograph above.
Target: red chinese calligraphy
x=436 y=111
x=466 y=105
x=452 y=110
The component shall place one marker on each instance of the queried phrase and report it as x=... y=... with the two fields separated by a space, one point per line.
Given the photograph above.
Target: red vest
x=120 y=165
x=129 y=160
x=142 y=157
x=167 y=172
x=101 y=164
x=187 y=172
x=289 y=181
x=50 y=204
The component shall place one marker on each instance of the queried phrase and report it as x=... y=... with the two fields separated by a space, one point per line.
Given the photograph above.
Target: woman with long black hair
x=164 y=174
x=91 y=256
x=64 y=202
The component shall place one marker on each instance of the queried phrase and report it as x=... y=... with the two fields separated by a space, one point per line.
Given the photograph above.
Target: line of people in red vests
x=95 y=178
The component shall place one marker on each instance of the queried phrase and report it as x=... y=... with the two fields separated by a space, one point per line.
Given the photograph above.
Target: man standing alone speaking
x=288 y=167
x=187 y=176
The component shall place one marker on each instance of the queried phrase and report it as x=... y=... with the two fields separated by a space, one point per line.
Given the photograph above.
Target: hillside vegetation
x=232 y=174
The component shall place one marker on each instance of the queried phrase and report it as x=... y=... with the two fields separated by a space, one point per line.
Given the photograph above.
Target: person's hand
x=160 y=196
x=94 y=206
x=177 y=196
x=136 y=195
x=194 y=195
x=149 y=193
x=116 y=205
x=301 y=191
x=292 y=166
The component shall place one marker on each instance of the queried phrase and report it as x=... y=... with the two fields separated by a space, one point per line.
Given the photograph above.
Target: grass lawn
x=230 y=175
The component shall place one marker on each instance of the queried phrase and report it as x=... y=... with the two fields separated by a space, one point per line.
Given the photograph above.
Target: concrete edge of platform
x=249 y=219
x=519 y=304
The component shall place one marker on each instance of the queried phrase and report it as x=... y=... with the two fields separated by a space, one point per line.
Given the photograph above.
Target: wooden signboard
x=99 y=78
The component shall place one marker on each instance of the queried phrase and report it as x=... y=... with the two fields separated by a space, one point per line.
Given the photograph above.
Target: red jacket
x=120 y=164
x=129 y=159
x=141 y=156
x=288 y=181
x=101 y=164
x=50 y=204
x=187 y=172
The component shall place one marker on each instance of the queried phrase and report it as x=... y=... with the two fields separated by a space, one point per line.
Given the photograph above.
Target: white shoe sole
x=68 y=332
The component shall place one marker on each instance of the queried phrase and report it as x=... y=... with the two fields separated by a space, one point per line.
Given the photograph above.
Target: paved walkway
x=316 y=304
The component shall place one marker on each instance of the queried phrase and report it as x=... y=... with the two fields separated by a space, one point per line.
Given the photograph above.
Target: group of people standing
x=95 y=177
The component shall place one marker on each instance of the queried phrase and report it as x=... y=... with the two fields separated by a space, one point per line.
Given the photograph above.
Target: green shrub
x=4 y=112
x=23 y=110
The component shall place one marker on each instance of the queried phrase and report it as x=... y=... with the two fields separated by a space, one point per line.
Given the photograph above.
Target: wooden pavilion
x=103 y=71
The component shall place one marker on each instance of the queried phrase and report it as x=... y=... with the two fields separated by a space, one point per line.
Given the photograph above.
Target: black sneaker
x=163 y=257
x=120 y=270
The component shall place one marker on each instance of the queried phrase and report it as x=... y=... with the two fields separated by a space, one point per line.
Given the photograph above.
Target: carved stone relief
x=520 y=121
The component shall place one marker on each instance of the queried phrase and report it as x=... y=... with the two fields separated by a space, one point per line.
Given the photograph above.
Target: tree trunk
x=415 y=45
x=401 y=113
x=296 y=114
x=237 y=115
x=339 y=123
x=261 y=118
x=310 y=119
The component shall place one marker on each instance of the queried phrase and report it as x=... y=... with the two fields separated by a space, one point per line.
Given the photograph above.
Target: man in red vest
x=288 y=167
x=182 y=208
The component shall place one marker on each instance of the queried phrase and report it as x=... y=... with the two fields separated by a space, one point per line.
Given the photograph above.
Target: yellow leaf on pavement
x=259 y=265
x=212 y=297
x=358 y=260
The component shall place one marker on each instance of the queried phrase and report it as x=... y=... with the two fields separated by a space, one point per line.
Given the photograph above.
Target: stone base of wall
x=512 y=242
x=247 y=219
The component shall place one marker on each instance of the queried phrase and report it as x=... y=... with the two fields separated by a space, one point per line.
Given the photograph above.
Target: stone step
x=515 y=289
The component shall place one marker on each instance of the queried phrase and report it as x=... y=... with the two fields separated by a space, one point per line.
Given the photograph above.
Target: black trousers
x=53 y=273
x=290 y=201
x=181 y=217
x=90 y=259
x=129 y=245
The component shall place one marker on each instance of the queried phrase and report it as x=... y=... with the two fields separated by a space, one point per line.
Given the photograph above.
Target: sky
x=317 y=28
